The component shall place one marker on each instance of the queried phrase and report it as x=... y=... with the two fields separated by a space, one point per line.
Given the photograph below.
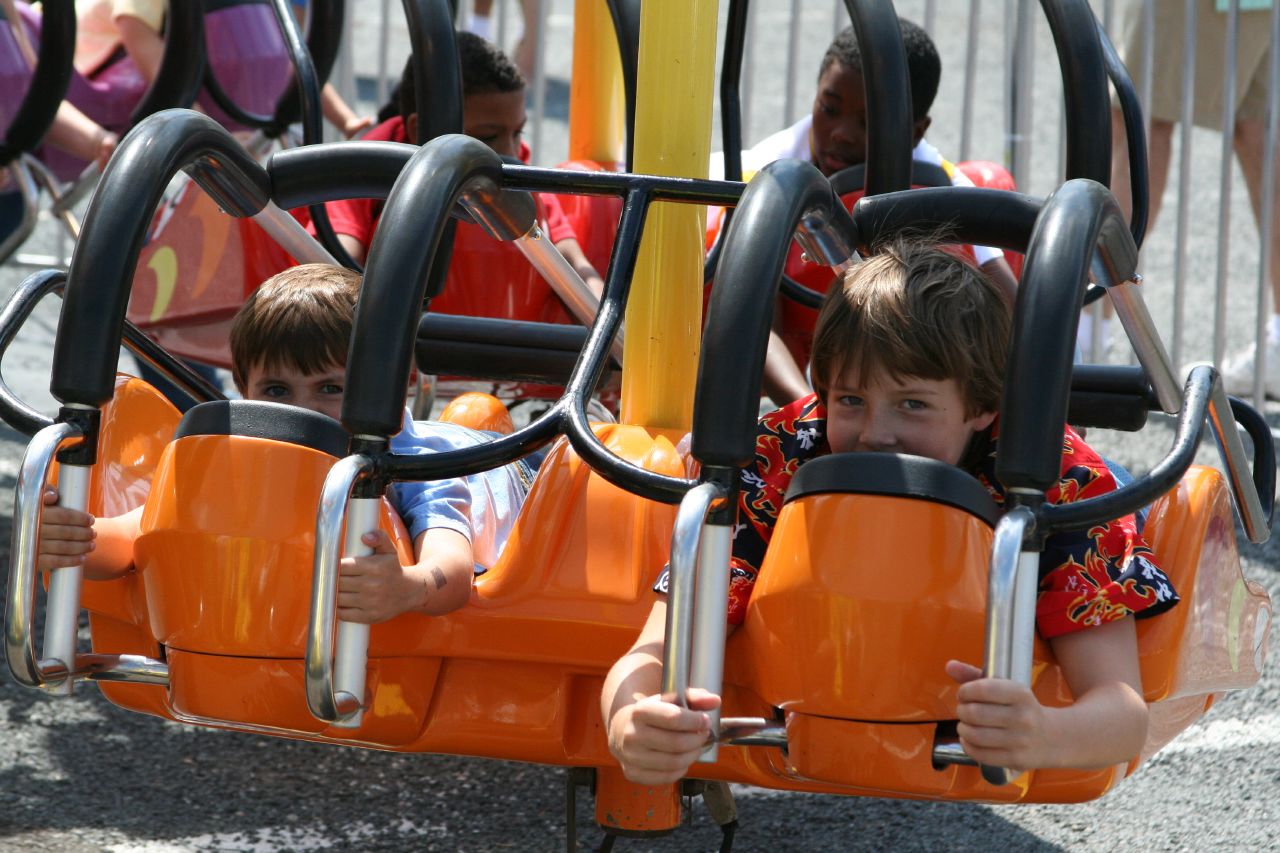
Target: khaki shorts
x=1252 y=60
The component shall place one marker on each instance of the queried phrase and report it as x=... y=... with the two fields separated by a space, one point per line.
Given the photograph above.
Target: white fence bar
x=793 y=61
x=1268 y=212
x=970 y=78
x=1224 y=185
x=1184 y=179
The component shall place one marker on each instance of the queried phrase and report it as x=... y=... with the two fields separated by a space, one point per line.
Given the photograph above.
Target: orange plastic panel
x=861 y=601
x=269 y=696
x=226 y=548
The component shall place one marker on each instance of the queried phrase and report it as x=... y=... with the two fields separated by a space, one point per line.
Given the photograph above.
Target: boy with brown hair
x=289 y=345
x=909 y=357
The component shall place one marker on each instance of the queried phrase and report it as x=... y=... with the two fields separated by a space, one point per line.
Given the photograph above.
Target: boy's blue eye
x=915 y=405
x=331 y=388
x=849 y=400
x=275 y=391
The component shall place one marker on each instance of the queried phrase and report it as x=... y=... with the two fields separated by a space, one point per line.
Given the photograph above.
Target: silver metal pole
x=1147 y=72
x=793 y=60
x=1184 y=178
x=970 y=78
x=706 y=669
x=500 y=26
x=1142 y=333
x=62 y=611
x=539 y=78
x=1224 y=186
x=351 y=658
x=681 y=589
x=930 y=15
x=384 y=37
x=1266 y=220
x=1023 y=73
x=292 y=237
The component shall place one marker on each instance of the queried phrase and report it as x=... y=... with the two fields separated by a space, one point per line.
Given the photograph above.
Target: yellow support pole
x=673 y=137
x=597 y=100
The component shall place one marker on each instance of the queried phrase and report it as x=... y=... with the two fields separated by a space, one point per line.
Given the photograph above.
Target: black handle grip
x=102 y=266
x=404 y=246
x=49 y=80
x=741 y=310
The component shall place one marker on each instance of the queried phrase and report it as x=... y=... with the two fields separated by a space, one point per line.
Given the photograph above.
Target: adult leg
x=1240 y=369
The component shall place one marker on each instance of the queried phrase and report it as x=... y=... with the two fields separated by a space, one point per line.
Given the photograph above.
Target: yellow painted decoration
x=165 y=265
x=673 y=137
x=597 y=100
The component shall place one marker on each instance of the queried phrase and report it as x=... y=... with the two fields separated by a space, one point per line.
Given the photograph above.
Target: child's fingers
x=995 y=691
x=61 y=515
x=962 y=672
x=378 y=541
x=702 y=700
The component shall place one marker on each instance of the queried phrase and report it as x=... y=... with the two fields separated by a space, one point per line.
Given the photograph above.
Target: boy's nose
x=877 y=433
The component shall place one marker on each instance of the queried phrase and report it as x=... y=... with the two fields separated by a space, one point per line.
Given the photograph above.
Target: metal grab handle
x=696 y=603
x=324 y=697
x=1010 y=623
x=19 y=640
x=1011 y=608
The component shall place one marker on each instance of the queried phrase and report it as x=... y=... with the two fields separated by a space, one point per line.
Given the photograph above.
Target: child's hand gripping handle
x=335 y=693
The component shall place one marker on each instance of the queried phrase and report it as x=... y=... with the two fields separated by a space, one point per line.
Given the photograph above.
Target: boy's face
x=320 y=392
x=922 y=417
x=496 y=119
x=839 y=120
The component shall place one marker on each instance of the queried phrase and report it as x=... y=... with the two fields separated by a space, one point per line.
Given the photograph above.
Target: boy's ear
x=918 y=130
x=411 y=129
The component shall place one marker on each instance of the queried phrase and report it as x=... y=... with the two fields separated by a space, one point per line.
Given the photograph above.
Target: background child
x=909 y=356
x=289 y=345
x=493 y=112
x=834 y=137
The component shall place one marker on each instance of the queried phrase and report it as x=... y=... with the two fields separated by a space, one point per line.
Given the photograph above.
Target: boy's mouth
x=832 y=163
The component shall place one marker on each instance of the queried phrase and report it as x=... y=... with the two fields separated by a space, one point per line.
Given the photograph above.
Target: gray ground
x=79 y=775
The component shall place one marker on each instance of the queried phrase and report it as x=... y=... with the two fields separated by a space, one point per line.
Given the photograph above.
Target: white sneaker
x=1238 y=370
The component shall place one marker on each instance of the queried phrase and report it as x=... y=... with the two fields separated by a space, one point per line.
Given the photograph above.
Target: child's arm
x=377 y=587
x=76 y=133
x=340 y=115
x=69 y=537
x=654 y=741
x=577 y=259
x=1002 y=723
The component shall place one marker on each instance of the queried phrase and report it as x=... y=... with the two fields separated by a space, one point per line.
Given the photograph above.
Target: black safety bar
x=1084 y=88
x=781 y=197
x=492 y=348
x=1135 y=136
x=1078 y=223
x=49 y=80
x=103 y=262
x=181 y=72
x=324 y=39
x=735 y=42
x=626 y=27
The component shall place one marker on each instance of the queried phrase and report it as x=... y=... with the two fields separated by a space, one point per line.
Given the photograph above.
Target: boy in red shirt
x=493 y=112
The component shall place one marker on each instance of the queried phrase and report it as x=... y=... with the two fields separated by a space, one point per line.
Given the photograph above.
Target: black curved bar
x=960 y=214
x=181 y=72
x=313 y=174
x=437 y=75
x=412 y=225
x=1080 y=225
x=13 y=410
x=1084 y=85
x=1135 y=135
x=741 y=310
x=1264 y=453
x=102 y=265
x=884 y=76
x=324 y=39
x=626 y=26
x=1147 y=488
x=735 y=40
x=49 y=80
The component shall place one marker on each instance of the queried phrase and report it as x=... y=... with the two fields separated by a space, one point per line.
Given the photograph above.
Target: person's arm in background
x=142 y=42
x=76 y=133
x=577 y=259
x=340 y=115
